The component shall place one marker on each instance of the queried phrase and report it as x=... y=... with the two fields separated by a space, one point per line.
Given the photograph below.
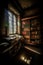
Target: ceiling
x=27 y=7
x=25 y=4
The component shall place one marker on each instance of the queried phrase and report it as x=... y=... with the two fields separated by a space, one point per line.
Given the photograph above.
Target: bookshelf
x=35 y=31
x=26 y=30
x=31 y=30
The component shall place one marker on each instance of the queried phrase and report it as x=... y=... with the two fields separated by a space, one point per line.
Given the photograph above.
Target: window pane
x=10 y=27
x=10 y=18
x=9 y=13
x=14 y=24
x=10 y=22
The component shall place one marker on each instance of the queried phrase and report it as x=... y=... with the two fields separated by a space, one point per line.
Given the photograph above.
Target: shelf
x=26 y=36
x=30 y=18
x=32 y=29
x=35 y=28
x=34 y=38
x=35 y=33
x=26 y=29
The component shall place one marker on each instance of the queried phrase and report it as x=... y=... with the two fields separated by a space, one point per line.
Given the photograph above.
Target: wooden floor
x=23 y=57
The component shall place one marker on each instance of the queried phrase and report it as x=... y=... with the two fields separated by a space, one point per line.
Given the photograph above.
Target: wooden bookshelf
x=31 y=29
x=35 y=31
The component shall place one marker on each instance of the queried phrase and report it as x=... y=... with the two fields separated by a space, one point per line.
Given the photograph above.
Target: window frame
x=13 y=14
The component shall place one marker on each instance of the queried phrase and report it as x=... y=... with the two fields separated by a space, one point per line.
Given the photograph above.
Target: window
x=10 y=21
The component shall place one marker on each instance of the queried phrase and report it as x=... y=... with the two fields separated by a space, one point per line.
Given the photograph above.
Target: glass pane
x=10 y=27
x=10 y=18
x=14 y=24
x=10 y=22
x=9 y=13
